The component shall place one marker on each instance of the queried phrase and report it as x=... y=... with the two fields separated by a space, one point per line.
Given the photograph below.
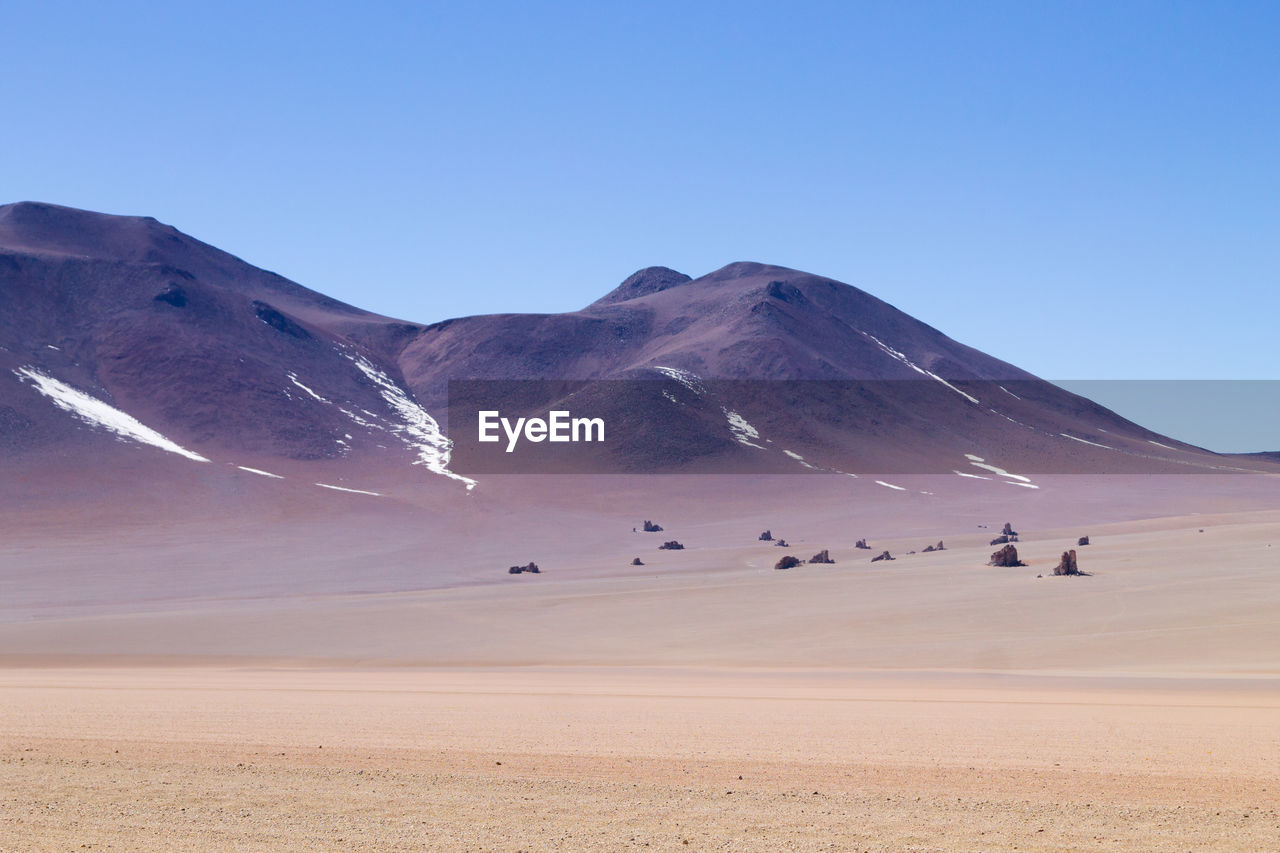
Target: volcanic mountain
x=122 y=338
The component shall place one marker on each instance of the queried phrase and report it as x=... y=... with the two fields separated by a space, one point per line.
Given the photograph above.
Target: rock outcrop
x=929 y=549
x=673 y=545
x=532 y=569
x=767 y=536
x=1067 y=565
x=1006 y=557
x=1008 y=530
x=650 y=527
x=787 y=562
x=782 y=543
x=884 y=555
x=1082 y=541
x=637 y=562
x=822 y=556
x=862 y=543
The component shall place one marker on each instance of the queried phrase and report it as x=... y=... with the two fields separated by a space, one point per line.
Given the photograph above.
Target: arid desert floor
x=578 y=759
x=704 y=701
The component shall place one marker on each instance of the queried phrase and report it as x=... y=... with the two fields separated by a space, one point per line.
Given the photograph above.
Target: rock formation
x=1005 y=557
x=782 y=543
x=673 y=545
x=1067 y=565
x=929 y=549
x=787 y=562
x=862 y=543
x=1008 y=530
x=532 y=568
x=822 y=556
x=1082 y=541
x=650 y=527
x=885 y=555
x=637 y=562
x=767 y=536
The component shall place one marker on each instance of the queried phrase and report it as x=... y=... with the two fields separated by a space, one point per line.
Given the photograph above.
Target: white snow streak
x=352 y=491
x=687 y=378
x=97 y=413
x=419 y=430
x=1158 y=444
x=260 y=472
x=742 y=431
x=917 y=368
x=890 y=486
x=1010 y=393
x=799 y=458
x=294 y=379
x=1083 y=441
x=996 y=469
x=970 y=476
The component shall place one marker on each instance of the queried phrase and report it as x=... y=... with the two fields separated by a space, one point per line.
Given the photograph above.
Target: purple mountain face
x=121 y=337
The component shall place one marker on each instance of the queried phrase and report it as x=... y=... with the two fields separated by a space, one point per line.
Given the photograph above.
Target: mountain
x=121 y=338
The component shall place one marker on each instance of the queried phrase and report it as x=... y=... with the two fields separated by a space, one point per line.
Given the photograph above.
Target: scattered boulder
x=637 y=562
x=532 y=569
x=885 y=555
x=767 y=536
x=673 y=545
x=1067 y=565
x=1008 y=530
x=822 y=556
x=929 y=549
x=650 y=527
x=1006 y=557
x=782 y=543
x=787 y=562
x=999 y=540
x=862 y=543
x=1082 y=541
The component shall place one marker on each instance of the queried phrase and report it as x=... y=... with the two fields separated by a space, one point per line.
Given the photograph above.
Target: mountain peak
x=643 y=282
x=45 y=228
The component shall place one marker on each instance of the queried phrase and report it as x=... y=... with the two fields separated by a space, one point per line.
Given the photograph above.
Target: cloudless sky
x=1087 y=190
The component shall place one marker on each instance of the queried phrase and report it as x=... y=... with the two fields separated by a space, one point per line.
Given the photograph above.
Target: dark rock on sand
x=1067 y=565
x=1005 y=557
x=885 y=555
x=787 y=562
x=822 y=556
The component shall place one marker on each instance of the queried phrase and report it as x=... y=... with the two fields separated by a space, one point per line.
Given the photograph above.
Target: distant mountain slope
x=121 y=334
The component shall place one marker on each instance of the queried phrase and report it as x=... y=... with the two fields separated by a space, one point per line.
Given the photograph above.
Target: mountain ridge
x=226 y=358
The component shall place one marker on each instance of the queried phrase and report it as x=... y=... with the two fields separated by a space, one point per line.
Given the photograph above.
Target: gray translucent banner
x=677 y=422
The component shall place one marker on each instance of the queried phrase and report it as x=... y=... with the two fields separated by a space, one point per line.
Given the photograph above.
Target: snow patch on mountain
x=293 y=377
x=418 y=429
x=917 y=368
x=260 y=472
x=687 y=378
x=742 y=431
x=98 y=413
x=1084 y=441
x=352 y=491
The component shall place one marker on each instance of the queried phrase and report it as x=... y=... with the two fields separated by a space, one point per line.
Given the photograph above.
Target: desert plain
x=365 y=675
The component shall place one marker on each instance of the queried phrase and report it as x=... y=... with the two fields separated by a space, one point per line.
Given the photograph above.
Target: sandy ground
x=314 y=679
x=505 y=760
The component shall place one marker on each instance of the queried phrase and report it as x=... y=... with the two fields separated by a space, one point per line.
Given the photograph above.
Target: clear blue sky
x=1088 y=190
